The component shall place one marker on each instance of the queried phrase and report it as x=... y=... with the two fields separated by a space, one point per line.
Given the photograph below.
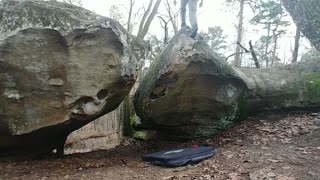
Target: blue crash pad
x=179 y=156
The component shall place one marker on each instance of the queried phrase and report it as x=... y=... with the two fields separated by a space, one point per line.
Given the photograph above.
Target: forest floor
x=282 y=146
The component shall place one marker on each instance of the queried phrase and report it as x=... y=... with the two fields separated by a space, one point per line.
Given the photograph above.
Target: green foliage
x=271 y=15
x=313 y=86
x=269 y=12
x=260 y=48
x=215 y=38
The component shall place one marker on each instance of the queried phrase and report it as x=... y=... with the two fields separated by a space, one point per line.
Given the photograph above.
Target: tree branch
x=144 y=31
x=145 y=15
x=245 y=49
x=172 y=17
x=254 y=56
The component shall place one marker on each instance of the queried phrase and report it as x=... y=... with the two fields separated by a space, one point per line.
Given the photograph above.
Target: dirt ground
x=282 y=146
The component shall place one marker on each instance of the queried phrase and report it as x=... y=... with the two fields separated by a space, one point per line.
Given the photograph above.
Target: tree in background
x=172 y=15
x=270 y=14
x=127 y=113
x=296 y=46
x=215 y=38
x=237 y=60
x=240 y=5
x=260 y=47
x=147 y=18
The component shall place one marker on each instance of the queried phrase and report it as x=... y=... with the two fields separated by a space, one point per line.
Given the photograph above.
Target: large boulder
x=190 y=92
x=61 y=67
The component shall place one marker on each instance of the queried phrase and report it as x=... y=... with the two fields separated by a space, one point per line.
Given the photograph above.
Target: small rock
x=56 y=82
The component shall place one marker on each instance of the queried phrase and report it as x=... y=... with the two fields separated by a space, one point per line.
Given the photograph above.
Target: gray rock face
x=61 y=67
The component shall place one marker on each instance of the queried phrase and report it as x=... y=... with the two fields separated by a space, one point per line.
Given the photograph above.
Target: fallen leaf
x=273 y=160
x=271 y=174
x=286 y=167
x=281 y=177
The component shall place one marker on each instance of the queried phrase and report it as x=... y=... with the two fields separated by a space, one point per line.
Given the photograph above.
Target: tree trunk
x=307 y=18
x=129 y=17
x=172 y=17
x=125 y=128
x=144 y=17
x=296 y=46
x=267 y=45
x=165 y=28
x=196 y=94
x=237 y=60
x=274 y=52
x=142 y=33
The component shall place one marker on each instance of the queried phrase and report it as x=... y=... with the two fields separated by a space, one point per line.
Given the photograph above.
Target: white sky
x=213 y=13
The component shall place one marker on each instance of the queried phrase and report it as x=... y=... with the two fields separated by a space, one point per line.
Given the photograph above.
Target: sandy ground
x=282 y=146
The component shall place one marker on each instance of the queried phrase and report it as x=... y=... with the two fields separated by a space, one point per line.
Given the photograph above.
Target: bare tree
x=147 y=19
x=164 y=25
x=172 y=15
x=237 y=61
x=132 y=2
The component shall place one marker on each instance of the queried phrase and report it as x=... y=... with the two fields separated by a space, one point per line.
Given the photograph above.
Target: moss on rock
x=313 y=87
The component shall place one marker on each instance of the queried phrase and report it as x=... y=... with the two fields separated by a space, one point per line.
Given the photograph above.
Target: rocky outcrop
x=305 y=14
x=190 y=92
x=61 y=67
